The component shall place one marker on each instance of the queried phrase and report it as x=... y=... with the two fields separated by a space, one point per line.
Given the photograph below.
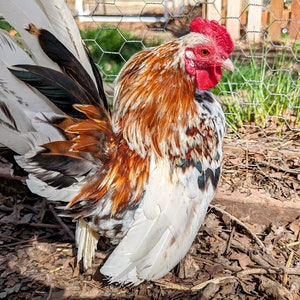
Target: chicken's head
x=205 y=59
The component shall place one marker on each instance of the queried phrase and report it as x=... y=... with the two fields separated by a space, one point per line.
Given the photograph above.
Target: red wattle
x=208 y=78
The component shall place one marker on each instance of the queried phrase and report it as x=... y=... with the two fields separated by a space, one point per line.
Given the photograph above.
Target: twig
x=200 y=286
x=5 y=208
x=213 y=280
x=273 y=289
x=262 y=260
x=234 y=243
x=255 y=237
x=38 y=225
x=229 y=240
x=259 y=259
x=18 y=243
x=60 y=221
x=49 y=280
x=170 y=285
x=288 y=264
x=253 y=271
x=278 y=168
x=270 y=270
x=43 y=210
x=9 y=238
x=33 y=239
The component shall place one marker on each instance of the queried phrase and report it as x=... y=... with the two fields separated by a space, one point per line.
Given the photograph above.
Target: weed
x=255 y=92
x=259 y=90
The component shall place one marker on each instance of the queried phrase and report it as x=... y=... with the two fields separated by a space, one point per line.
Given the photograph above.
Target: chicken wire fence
x=264 y=89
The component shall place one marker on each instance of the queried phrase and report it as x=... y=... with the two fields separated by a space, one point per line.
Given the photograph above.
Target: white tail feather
x=24 y=112
x=86 y=241
x=54 y=16
x=41 y=188
x=21 y=13
x=21 y=101
x=13 y=140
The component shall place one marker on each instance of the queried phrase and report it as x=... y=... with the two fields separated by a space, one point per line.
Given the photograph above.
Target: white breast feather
x=165 y=226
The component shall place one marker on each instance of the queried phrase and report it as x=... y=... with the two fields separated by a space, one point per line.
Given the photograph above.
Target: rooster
x=141 y=175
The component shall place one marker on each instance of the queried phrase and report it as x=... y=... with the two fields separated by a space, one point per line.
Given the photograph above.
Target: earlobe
x=189 y=66
x=190 y=54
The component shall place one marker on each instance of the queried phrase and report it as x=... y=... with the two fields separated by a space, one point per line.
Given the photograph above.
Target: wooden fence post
x=294 y=27
x=214 y=10
x=276 y=12
x=254 y=25
x=233 y=24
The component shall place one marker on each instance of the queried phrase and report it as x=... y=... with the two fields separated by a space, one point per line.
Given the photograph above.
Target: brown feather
x=164 y=103
x=124 y=175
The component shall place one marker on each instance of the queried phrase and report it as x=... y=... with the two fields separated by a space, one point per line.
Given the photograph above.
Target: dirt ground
x=248 y=247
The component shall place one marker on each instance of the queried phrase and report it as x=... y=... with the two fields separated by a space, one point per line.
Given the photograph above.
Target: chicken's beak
x=228 y=65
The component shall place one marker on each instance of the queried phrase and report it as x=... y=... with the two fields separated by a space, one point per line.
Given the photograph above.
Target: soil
x=247 y=248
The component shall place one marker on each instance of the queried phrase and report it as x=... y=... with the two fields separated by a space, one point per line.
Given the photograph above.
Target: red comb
x=214 y=30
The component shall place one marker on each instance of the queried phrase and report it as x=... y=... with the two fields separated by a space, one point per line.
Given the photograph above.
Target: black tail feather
x=56 y=86
x=57 y=52
x=98 y=81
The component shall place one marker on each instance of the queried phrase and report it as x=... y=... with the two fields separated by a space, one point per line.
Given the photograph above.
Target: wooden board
x=295 y=16
x=254 y=25
x=214 y=10
x=276 y=10
x=233 y=24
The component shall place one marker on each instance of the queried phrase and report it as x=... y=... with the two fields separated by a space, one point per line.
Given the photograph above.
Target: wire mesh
x=265 y=85
x=260 y=99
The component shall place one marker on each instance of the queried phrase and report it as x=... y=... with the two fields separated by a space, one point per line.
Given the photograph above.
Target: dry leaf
x=243 y=259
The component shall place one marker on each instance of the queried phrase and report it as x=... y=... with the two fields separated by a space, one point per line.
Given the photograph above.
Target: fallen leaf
x=295 y=226
x=243 y=259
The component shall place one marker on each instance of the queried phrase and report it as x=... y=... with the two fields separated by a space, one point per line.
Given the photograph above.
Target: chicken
x=142 y=175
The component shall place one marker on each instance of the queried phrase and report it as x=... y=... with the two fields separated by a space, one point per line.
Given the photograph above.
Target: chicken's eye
x=204 y=52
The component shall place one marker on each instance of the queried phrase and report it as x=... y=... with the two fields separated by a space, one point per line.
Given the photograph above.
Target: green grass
x=252 y=94
x=257 y=91
x=111 y=48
